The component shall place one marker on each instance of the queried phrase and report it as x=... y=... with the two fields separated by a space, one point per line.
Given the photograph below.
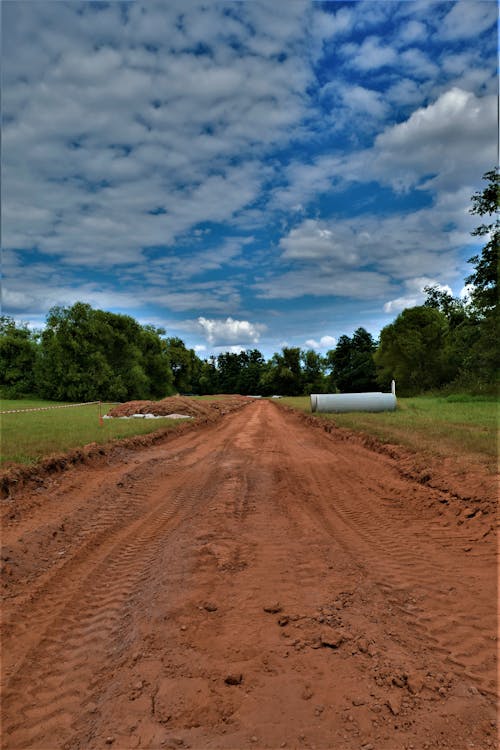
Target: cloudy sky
x=246 y=174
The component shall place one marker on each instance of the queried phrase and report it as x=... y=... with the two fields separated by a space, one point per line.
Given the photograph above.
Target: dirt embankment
x=18 y=477
x=257 y=583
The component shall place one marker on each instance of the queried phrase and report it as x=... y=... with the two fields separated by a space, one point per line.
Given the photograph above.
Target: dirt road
x=258 y=583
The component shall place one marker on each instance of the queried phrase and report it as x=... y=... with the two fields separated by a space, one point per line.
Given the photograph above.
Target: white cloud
x=413 y=31
x=417 y=64
x=316 y=240
x=350 y=101
x=325 y=342
x=200 y=348
x=415 y=294
x=101 y=128
x=371 y=54
x=332 y=25
x=449 y=142
x=230 y=331
x=324 y=282
x=468 y=19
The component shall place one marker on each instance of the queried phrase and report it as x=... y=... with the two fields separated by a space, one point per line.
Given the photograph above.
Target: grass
x=456 y=425
x=34 y=435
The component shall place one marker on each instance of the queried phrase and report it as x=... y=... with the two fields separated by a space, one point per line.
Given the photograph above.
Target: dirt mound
x=192 y=407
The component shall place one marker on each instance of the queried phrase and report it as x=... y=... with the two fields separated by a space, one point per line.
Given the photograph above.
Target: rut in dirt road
x=254 y=583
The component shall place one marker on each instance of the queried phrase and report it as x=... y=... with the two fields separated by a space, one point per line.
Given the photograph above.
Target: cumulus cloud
x=325 y=342
x=449 y=142
x=326 y=282
x=371 y=54
x=415 y=294
x=230 y=331
x=130 y=134
x=467 y=19
x=314 y=239
x=412 y=31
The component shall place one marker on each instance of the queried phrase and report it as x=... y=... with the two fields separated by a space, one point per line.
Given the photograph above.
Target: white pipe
x=343 y=402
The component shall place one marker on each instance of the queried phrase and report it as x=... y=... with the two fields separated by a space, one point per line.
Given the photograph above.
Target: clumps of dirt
x=191 y=407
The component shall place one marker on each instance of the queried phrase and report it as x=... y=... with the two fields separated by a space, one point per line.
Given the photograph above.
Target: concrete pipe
x=343 y=402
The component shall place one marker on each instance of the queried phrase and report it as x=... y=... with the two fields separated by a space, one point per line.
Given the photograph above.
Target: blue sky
x=245 y=174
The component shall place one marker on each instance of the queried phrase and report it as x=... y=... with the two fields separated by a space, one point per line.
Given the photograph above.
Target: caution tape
x=46 y=408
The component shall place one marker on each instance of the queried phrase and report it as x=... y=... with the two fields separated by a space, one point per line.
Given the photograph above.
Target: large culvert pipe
x=342 y=402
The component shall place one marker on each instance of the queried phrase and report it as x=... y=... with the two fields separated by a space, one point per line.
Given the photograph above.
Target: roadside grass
x=455 y=425
x=34 y=435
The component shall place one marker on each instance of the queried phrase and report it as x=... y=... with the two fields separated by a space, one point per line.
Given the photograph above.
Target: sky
x=244 y=174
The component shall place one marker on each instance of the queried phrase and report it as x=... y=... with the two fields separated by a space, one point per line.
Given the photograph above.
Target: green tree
x=351 y=363
x=184 y=364
x=229 y=367
x=18 y=352
x=481 y=365
x=251 y=364
x=485 y=276
x=313 y=373
x=156 y=361
x=208 y=381
x=87 y=355
x=412 y=351
x=284 y=376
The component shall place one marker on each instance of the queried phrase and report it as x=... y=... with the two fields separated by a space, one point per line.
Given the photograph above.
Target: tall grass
x=455 y=425
x=27 y=437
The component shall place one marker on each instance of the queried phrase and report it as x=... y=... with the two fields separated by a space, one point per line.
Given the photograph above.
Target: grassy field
x=444 y=426
x=28 y=437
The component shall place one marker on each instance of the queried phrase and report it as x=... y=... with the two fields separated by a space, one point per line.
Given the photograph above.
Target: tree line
x=84 y=354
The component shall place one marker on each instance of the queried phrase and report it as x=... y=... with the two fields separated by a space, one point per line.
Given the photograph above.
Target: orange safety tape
x=46 y=408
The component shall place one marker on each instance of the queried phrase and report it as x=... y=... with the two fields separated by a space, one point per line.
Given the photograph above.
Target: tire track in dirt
x=163 y=593
x=387 y=547
x=115 y=559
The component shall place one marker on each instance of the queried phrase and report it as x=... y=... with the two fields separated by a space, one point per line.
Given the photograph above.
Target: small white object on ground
x=151 y=416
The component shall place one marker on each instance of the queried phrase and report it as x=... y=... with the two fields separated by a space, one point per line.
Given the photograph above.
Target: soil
x=254 y=582
x=179 y=405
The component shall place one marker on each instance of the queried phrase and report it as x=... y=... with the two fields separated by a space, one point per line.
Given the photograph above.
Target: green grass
x=456 y=425
x=34 y=435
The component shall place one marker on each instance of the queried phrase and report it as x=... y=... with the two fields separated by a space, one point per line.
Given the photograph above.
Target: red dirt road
x=136 y=597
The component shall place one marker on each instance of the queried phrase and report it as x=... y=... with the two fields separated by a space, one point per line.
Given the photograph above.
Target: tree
x=90 y=355
x=314 y=380
x=18 y=351
x=229 y=367
x=251 y=364
x=208 y=381
x=184 y=363
x=485 y=276
x=412 y=351
x=288 y=374
x=156 y=361
x=351 y=363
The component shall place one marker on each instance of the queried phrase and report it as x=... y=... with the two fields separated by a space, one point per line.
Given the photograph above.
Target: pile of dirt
x=191 y=407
